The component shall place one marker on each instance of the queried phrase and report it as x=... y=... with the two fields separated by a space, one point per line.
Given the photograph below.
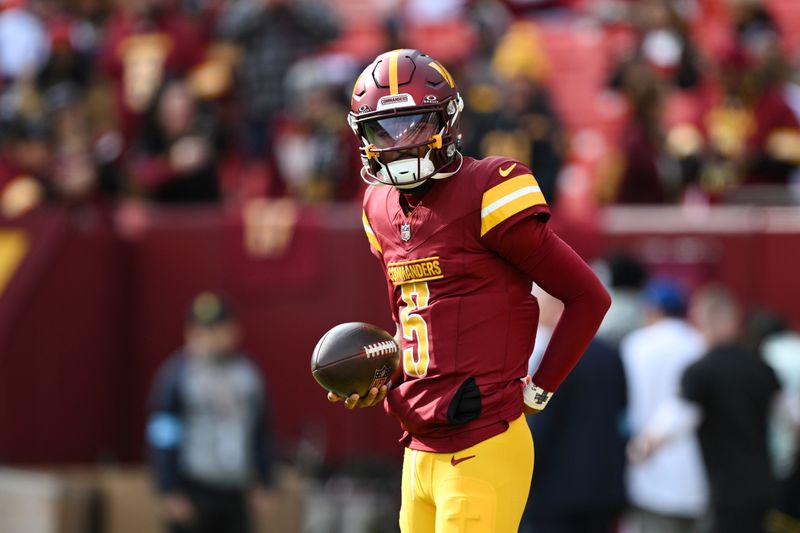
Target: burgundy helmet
x=405 y=111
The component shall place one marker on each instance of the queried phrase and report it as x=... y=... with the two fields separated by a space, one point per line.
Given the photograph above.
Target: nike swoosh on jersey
x=506 y=171
x=454 y=461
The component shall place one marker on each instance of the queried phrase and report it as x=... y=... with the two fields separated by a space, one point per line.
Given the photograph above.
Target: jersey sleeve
x=534 y=249
x=510 y=194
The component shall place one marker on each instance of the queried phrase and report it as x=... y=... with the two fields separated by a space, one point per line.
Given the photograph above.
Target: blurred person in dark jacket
x=175 y=157
x=727 y=395
x=578 y=485
x=210 y=437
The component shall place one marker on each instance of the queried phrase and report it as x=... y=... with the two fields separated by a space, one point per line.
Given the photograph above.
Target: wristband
x=535 y=397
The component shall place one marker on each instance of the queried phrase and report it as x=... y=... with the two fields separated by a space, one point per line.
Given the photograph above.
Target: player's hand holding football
x=375 y=396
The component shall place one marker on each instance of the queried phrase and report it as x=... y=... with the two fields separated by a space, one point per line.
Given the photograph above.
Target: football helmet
x=405 y=111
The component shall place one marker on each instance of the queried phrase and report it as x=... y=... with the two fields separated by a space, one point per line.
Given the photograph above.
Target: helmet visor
x=400 y=131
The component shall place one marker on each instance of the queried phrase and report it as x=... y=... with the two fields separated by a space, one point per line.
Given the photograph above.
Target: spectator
x=578 y=484
x=641 y=176
x=627 y=277
x=792 y=94
x=25 y=163
x=525 y=128
x=314 y=149
x=274 y=34
x=209 y=434
x=747 y=130
x=663 y=43
x=71 y=41
x=771 y=151
x=74 y=172
x=767 y=333
x=668 y=489
x=785 y=518
x=513 y=115
x=147 y=42
x=727 y=396
x=24 y=44
x=175 y=158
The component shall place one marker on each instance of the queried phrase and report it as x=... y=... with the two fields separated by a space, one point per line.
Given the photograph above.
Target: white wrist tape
x=535 y=397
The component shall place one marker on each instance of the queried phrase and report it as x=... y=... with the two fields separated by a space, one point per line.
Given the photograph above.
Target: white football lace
x=380 y=348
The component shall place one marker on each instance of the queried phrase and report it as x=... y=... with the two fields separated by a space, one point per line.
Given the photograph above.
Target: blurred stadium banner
x=87 y=315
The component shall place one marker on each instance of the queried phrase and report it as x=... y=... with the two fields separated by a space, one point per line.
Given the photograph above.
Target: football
x=354 y=357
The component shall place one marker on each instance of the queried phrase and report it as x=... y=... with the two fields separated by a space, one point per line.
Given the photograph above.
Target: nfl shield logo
x=405 y=232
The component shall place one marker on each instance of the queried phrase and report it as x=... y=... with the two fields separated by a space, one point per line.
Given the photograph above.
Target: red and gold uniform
x=460 y=241
x=467 y=315
x=459 y=269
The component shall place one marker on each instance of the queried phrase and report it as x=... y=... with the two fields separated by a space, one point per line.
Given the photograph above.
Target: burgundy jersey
x=467 y=315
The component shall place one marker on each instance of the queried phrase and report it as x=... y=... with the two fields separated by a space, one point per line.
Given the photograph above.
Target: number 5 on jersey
x=415 y=296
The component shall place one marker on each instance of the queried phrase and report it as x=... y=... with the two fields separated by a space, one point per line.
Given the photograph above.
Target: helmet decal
x=398 y=100
x=358 y=88
x=393 y=85
x=438 y=67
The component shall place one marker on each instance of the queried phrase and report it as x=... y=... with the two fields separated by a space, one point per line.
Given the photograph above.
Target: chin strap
x=443 y=175
x=371 y=180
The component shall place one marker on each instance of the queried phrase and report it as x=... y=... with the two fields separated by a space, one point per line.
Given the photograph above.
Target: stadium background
x=97 y=264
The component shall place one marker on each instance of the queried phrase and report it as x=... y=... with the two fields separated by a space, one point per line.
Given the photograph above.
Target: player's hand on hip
x=527 y=409
x=375 y=396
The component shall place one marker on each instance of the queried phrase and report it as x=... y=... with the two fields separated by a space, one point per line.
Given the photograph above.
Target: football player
x=460 y=240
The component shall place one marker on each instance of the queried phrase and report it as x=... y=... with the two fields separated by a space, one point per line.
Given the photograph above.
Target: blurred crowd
x=682 y=416
x=221 y=101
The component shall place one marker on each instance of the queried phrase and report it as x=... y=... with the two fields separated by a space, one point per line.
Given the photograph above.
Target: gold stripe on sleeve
x=509 y=198
x=373 y=240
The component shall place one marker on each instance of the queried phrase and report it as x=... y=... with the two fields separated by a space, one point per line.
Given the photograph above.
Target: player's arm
x=513 y=223
x=375 y=395
x=533 y=248
x=564 y=275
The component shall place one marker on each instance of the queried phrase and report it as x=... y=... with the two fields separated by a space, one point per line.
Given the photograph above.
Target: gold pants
x=481 y=489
